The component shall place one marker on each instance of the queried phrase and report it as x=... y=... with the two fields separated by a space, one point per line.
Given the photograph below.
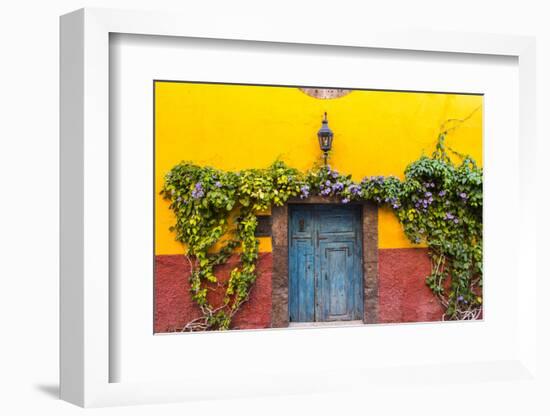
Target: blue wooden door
x=325 y=263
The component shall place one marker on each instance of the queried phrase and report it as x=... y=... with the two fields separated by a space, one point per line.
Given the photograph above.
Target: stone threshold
x=324 y=324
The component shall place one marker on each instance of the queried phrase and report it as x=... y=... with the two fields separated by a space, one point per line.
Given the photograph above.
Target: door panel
x=301 y=267
x=336 y=286
x=301 y=288
x=325 y=263
x=336 y=223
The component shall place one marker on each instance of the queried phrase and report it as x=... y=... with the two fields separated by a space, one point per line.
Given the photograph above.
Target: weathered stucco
x=174 y=307
x=402 y=294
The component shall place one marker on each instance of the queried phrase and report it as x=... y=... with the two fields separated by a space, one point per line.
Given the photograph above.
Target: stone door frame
x=279 y=283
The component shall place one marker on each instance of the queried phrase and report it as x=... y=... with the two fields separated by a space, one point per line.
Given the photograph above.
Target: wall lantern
x=325 y=136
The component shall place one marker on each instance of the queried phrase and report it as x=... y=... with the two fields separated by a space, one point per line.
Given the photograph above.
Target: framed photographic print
x=301 y=214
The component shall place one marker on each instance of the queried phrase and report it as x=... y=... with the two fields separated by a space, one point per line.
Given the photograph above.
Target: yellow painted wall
x=234 y=127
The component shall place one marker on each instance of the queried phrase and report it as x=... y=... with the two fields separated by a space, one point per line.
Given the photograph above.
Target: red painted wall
x=403 y=295
x=173 y=304
x=402 y=292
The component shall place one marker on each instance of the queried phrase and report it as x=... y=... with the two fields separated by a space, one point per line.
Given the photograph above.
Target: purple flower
x=338 y=186
x=198 y=192
x=456 y=220
x=334 y=174
x=218 y=184
x=460 y=298
x=395 y=205
x=354 y=189
x=449 y=216
x=442 y=193
x=345 y=200
x=327 y=183
x=325 y=191
x=428 y=194
x=305 y=191
x=463 y=195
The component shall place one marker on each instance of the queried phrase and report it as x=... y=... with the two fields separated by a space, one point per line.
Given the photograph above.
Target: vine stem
x=459 y=122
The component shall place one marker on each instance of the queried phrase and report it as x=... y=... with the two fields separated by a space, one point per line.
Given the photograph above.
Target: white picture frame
x=85 y=206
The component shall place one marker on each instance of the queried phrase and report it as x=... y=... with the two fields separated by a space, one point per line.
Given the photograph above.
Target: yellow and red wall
x=236 y=127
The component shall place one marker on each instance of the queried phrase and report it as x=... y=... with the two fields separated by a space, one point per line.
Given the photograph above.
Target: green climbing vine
x=439 y=203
